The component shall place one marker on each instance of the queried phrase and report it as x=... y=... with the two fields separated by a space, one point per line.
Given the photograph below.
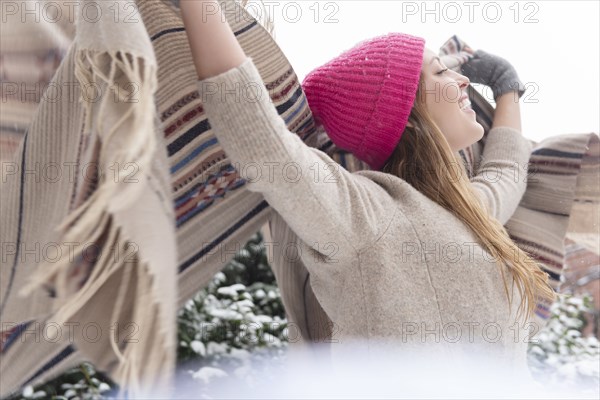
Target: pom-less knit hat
x=364 y=96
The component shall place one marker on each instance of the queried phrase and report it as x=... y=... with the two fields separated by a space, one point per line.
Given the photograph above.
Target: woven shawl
x=189 y=173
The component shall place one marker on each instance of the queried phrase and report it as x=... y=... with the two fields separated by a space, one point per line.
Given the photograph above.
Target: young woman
x=411 y=252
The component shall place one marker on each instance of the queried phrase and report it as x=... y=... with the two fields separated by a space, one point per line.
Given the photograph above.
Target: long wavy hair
x=422 y=145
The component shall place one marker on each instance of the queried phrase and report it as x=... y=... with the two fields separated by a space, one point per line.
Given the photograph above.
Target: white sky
x=554 y=45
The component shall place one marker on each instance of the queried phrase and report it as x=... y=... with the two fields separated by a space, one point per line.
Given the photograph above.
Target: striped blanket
x=214 y=214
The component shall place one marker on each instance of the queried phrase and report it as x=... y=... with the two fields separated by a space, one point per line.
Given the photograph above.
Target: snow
x=240 y=354
x=103 y=387
x=207 y=374
x=216 y=348
x=225 y=314
x=264 y=319
x=198 y=347
x=243 y=371
x=355 y=379
x=219 y=277
x=27 y=391
x=232 y=290
x=244 y=306
x=268 y=338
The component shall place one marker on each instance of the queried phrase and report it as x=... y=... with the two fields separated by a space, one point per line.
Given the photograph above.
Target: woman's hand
x=495 y=72
x=501 y=76
x=214 y=47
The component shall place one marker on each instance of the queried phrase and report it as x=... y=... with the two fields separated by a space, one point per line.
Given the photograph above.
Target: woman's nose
x=464 y=82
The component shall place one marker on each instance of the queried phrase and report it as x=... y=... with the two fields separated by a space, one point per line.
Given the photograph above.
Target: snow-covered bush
x=81 y=383
x=240 y=312
x=561 y=356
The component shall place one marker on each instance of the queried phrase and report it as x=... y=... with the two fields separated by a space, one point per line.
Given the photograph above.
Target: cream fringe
x=151 y=357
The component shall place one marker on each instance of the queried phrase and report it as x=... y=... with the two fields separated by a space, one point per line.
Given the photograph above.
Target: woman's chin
x=476 y=135
x=470 y=134
x=476 y=131
x=480 y=129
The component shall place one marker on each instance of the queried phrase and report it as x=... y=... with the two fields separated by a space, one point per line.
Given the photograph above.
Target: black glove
x=493 y=71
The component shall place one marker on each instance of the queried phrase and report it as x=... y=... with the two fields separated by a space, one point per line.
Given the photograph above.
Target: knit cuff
x=237 y=101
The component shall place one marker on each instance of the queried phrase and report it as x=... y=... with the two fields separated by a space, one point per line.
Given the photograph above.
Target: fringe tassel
x=129 y=139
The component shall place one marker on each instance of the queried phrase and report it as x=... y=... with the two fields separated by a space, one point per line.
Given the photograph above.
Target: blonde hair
x=423 y=144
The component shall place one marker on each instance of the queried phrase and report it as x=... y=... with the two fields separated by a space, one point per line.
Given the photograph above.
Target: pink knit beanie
x=364 y=96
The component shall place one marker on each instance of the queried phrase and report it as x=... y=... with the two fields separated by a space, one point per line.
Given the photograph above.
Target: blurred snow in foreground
x=307 y=373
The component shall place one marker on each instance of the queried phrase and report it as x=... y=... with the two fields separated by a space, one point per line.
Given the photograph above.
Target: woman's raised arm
x=330 y=209
x=501 y=179
x=214 y=46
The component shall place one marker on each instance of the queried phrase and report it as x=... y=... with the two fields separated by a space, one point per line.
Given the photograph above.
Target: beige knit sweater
x=387 y=264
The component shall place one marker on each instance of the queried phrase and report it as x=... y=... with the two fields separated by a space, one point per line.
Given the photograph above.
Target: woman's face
x=447 y=101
